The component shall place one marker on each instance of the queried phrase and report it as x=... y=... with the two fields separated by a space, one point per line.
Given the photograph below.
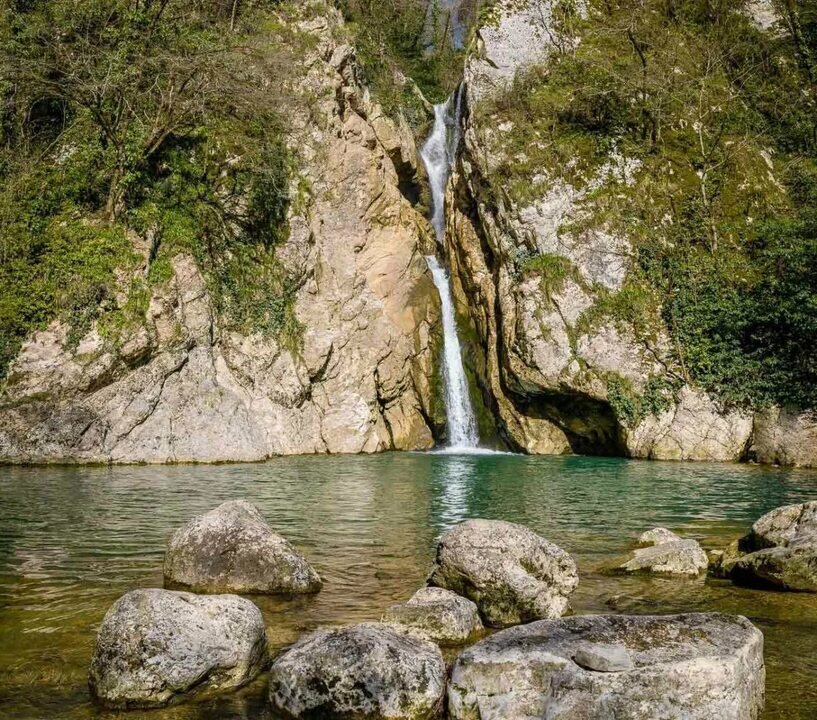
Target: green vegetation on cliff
x=693 y=133
x=400 y=42
x=151 y=120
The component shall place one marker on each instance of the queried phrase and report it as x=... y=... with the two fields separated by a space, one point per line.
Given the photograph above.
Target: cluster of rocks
x=156 y=645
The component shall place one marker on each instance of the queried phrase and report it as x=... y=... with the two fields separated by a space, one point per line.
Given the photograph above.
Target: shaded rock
x=683 y=667
x=667 y=553
x=438 y=615
x=721 y=562
x=360 y=672
x=781 y=550
x=510 y=572
x=156 y=644
x=782 y=568
x=232 y=548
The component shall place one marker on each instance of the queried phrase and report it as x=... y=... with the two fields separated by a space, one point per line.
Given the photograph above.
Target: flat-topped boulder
x=233 y=549
x=780 y=551
x=361 y=672
x=664 y=552
x=511 y=573
x=156 y=645
x=699 y=666
x=438 y=615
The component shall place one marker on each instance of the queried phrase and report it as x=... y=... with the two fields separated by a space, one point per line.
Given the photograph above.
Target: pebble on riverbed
x=701 y=666
x=356 y=672
x=668 y=554
x=233 y=549
x=511 y=573
x=438 y=615
x=155 y=645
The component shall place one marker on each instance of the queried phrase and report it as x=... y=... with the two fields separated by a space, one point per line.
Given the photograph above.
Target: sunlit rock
x=233 y=549
x=681 y=667
x=438 y=615
x=510 y=572
x=155 y=645
x=360 y=672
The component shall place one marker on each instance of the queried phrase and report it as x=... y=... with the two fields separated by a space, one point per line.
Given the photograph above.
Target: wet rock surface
x=438 y=615
x=361 y=672
x=682 y=667
x=511 y=573
x=233 y=549
x=155 y=645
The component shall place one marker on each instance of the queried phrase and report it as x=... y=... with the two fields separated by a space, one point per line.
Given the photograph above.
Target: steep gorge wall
x=549 y=374
x=182 y=387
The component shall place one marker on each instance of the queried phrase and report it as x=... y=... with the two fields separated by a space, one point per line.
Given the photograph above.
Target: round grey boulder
x=656 y=536
x=667 y=553
x=511 y=573
x=360 y=672
x=438 y=615
x=155 y=645
x=780 y=551
x=685 y=667
x=233 y=549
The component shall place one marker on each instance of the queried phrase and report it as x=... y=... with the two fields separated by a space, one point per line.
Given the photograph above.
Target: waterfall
x=438 y=153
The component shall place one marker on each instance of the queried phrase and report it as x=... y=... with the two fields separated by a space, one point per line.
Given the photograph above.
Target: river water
x=74 y=539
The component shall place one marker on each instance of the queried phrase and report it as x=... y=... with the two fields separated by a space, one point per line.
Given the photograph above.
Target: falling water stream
x=438 y=155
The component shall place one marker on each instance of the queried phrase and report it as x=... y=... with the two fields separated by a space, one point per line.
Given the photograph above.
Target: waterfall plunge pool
x=73 y=539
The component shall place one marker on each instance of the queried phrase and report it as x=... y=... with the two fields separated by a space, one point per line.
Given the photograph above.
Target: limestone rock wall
x=183 y=388
x=547 y=371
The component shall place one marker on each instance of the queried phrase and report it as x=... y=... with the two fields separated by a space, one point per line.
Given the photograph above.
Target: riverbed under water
x=73 y=539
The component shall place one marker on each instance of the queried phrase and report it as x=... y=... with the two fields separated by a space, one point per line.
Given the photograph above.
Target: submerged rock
x=511 y=573
x=781 y=550
x=156 y=644
x=438 y=615
x=233 y=549
x=667 y=553
x=360 y=672
x=685 y=667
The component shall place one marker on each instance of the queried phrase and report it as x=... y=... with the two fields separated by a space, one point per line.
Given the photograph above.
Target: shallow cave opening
x=590 y=425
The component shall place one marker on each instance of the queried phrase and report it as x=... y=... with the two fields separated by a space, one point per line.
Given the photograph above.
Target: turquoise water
x=73 y=539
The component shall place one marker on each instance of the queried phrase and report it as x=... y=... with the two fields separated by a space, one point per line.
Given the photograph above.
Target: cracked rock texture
x=155 y=645
x=233 y=549
x=677 y=667
x=511 y=573
x=183 y=388
x=361 y=672
x=544 y=360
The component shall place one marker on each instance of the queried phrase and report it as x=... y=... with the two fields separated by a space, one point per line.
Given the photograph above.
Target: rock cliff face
x=184 y=388
x=552 y=364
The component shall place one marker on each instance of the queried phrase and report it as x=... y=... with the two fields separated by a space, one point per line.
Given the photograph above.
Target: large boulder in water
x=360 y=672
x=438 y=615
x=510 y=572
x=233 y=549
x=684 y=667
x=781 y=550
x=155 y=645
x=667 y=553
